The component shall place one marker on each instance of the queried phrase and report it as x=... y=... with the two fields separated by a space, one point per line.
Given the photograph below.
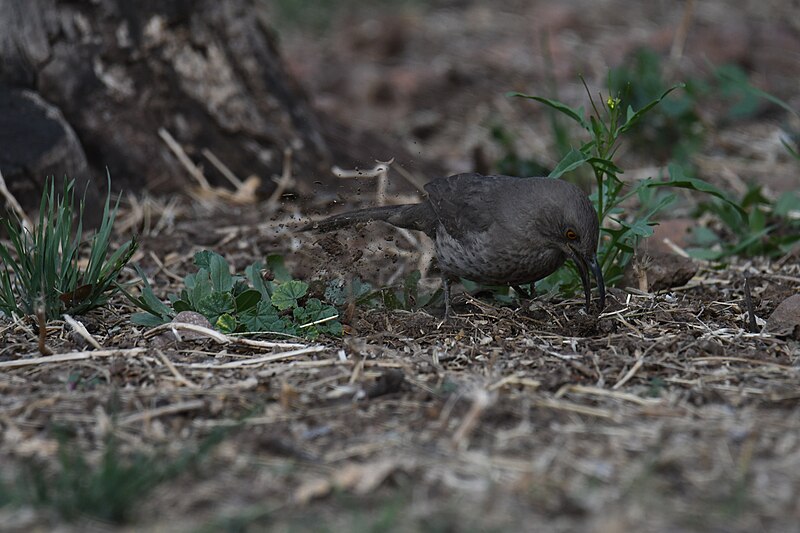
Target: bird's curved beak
x=584 y=265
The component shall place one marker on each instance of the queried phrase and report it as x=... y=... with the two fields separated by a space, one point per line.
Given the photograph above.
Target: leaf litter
x=664 y=410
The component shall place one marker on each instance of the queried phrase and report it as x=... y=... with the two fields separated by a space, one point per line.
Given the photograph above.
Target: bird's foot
x=523 y=293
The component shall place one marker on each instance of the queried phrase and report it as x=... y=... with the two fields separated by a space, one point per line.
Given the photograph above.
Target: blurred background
x=127 y=88
x=433 y=78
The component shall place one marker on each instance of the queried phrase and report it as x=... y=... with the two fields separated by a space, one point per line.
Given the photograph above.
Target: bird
x=496 y=230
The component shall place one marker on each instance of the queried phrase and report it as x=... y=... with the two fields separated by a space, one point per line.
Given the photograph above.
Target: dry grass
x=664 y=413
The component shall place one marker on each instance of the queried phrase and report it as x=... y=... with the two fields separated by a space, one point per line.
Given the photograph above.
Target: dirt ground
x=663 y=413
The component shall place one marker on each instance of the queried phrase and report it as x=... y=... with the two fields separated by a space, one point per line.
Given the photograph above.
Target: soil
x=665 y=412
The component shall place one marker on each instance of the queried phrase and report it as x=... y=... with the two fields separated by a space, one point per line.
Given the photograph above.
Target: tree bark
x=208 y=72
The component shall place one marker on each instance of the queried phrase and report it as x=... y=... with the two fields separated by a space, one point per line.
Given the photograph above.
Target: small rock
x=785 y=320
x=192 y=317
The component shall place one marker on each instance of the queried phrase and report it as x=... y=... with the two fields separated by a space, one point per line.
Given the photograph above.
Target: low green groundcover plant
x=110 y=489
x=242 y=304
x=43 y=272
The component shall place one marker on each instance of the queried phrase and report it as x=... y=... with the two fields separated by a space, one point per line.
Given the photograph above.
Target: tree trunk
x=207 y=72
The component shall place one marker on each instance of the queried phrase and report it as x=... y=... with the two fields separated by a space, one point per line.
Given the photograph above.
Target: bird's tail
x=403 y=216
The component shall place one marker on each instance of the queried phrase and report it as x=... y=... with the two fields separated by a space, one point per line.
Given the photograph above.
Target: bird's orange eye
x=571 y=235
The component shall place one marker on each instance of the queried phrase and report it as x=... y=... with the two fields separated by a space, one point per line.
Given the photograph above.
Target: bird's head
x=574 y=229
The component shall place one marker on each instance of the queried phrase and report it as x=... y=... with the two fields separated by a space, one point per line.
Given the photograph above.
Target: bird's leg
x=521 y=293
x=446 y=294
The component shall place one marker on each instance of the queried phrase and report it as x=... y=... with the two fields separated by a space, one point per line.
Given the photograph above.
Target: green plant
x=676 y=129
x=42 y=268
x=673 y=130
x=108 y=490
x=605 y=124
x=242 y=304
x=772 y=228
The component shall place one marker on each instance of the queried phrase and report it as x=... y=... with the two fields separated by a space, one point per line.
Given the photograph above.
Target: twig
x=12 y=202
x=756 y=362
x=320 y=321
x=202 y=330
x=413 y=179
x=221 y=338
x=575 y=408
x=180 y=407
x=70 y=356
x=681 y=33
x=479 y=404
x=285 y=181
x=223 y=168
x=175 y=372
x=597 y=391
x=675 y=248
x=81 y=330
x=380 y=171
x=748 y=301
x=40 y=318
x=187 y=163
x=635 y=368
x=258 y=360
x=253 y=343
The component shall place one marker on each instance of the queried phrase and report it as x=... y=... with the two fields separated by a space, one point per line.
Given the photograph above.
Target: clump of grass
x=44 y=271
x=108 y=490
x=242 y=304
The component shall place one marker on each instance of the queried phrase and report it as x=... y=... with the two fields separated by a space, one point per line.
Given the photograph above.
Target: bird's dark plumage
x=497 y=229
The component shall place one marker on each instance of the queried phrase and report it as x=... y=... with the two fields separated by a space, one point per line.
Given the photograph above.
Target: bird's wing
x=463 y=202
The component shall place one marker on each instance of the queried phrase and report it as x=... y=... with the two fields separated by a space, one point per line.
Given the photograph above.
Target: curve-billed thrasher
x=497 y=230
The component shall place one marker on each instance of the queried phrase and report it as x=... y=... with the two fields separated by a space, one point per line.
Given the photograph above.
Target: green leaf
x=151 y=303
x=247 y=299
x=218 y=269
x=180 y=305
x=199 y=287
x=706 y=254
x=202 y=259
x=679 y=179
x=288 y=293
x=575 y=114
x=704 y=236
x=216 y=304
x=225 y=323
x=315 y=311
x=786 y=203
x=264 y=318
x=569 y=162
x=148 y=320
x=792 y=151
x=633 y=119
x=390 y=300
x=606 y=165
x=253 y=273
x=598 y=128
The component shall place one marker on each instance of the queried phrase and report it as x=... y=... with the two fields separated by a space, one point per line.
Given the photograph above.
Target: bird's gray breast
x=487 y=257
